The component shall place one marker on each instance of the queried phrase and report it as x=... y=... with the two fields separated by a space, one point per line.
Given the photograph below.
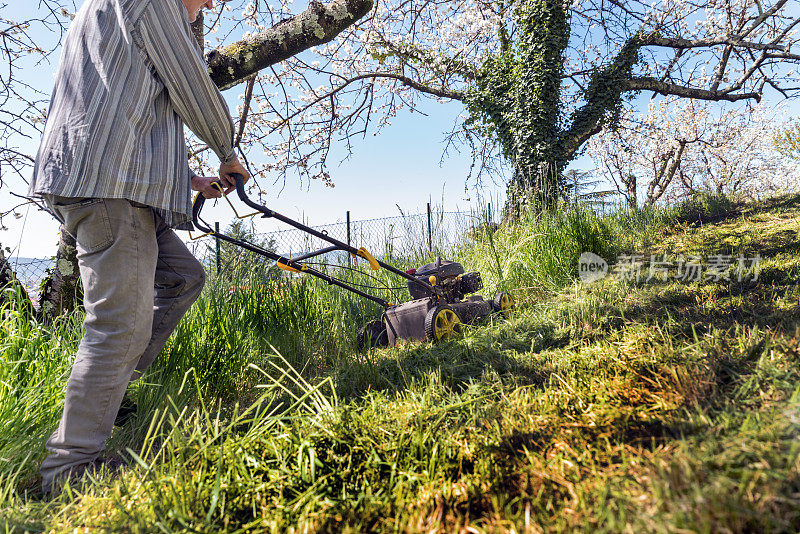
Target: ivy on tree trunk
x=61 y=288
x=517 y=98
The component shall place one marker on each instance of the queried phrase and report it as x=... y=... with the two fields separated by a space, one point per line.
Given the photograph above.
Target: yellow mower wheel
x=442 y=322
x=503 y=303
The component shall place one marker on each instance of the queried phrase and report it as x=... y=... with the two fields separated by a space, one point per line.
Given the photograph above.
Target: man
x=113 y=167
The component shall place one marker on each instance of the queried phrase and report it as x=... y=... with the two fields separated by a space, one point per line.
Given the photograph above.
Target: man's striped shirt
x=131 y=75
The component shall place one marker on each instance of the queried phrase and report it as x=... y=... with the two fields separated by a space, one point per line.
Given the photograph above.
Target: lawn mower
x=442 y=293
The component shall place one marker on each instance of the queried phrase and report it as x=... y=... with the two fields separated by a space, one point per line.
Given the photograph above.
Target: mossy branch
x=231 y=65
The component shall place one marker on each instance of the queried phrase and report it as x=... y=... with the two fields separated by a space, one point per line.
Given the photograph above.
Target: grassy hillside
x=619 y=405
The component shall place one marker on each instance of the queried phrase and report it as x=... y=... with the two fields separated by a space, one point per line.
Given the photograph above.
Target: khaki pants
x=138 y=281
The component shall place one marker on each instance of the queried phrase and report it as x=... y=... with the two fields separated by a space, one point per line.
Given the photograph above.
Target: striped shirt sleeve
x=169 y=44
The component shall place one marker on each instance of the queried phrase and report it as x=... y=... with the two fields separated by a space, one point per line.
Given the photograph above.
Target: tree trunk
x=665 y=174
x=61 y=290
x=535 y=185
x=631 y=194
x=518 y=94
x=544 y=35
x=8 y=278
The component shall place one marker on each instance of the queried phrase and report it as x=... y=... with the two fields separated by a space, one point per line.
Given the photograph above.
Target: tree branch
x=455 y=95
x=664 y=175
x=248 y=97
x=320 y=23
x=405 y=80
x=666 y=88
x=729 y=40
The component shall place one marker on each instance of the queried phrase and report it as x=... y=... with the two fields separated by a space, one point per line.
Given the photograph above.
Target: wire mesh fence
x=410 y=237
x=30 y=272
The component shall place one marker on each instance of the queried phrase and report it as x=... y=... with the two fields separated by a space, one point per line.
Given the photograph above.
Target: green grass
x=612 y=406
x=539 y=254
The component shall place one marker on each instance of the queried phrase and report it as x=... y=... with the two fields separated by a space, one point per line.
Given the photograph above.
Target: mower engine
x=434 y=317
x=449 y=276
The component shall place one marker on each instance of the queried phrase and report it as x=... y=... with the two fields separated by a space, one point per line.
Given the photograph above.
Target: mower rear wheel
x=373 y=334
x=503 y=303
x=442 y=322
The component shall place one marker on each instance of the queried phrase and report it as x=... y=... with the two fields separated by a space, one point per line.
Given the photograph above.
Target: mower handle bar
x=295 y=264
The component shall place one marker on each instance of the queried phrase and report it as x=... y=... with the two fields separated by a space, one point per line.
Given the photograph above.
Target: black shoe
x=127 y=410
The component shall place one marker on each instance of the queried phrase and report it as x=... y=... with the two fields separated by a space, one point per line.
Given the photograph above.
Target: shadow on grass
x=780 y=203
x=783 y=242
x=623 y=430
x=766 y=245
x=720 y=209
x=720 y=305
x=509 y=356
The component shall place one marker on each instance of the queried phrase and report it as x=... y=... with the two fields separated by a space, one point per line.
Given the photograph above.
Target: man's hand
x=203 y=184
x=225 y=171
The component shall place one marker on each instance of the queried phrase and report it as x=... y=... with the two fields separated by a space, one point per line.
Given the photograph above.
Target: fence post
x=349 y=259
x=216 y=238
x=430 y=232
x=489 y=212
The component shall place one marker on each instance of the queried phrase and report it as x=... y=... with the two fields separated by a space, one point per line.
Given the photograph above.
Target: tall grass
x=260 y=413
x=540 y=252
x=702 y=207
x=243 y=316
x=34 y=363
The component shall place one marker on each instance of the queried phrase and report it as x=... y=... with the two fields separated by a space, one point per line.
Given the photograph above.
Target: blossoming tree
x=537 y=78
x=679 y=148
